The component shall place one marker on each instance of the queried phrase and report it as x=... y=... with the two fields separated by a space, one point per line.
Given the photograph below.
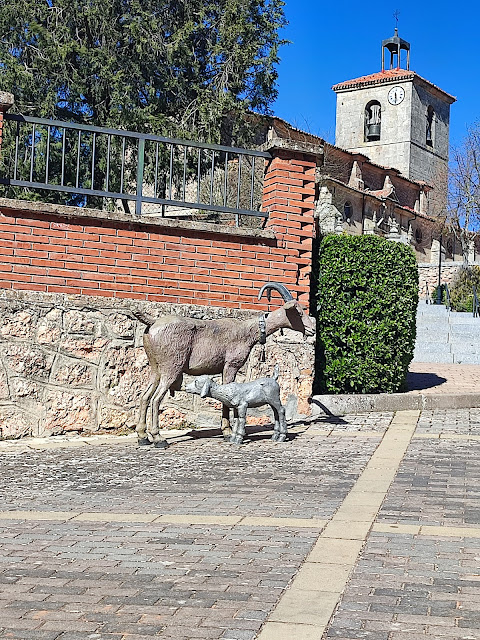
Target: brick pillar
x=288 y=197
x=6 y=101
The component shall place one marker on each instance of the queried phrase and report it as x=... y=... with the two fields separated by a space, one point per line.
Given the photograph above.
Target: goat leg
x=237 y=437
x=141 y=427
x=233 y=436
x=280 y=433
x=228 y=376
x=226 y=428
x=163 y=387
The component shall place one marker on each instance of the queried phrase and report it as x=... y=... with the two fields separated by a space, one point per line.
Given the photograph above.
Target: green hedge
x=367 y=296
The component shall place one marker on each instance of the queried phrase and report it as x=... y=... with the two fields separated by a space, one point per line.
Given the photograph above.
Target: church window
x=348 y=211
x=418 y=235
x=373 y=121
x=429 y=128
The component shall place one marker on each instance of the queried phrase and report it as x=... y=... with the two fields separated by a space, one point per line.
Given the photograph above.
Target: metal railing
x=476 y=305
x=86 y=161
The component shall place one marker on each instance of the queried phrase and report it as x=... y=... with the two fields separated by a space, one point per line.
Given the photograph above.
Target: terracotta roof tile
x=389 y=75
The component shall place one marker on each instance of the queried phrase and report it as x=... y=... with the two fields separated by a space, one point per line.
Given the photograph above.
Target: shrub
x=461 y=291
x=443 y=295
x=367 y=297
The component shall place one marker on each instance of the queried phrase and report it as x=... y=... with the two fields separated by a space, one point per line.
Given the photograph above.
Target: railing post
x=140 y=168
x=6 y=101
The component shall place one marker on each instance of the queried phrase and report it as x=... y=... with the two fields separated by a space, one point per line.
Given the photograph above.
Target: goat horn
x=276 y=286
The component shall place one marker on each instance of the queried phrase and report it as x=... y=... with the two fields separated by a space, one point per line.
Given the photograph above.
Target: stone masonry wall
x=77 y=364
x=428 y=274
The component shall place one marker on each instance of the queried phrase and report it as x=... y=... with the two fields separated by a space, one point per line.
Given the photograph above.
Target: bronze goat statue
x=176 y=345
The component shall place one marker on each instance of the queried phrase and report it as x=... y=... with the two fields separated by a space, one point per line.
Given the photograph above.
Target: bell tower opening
x=429 y=127
x=373 y=121
x=395 y=46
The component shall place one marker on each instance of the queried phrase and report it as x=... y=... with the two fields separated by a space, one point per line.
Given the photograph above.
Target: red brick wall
x=105 y=257
x=288 y=196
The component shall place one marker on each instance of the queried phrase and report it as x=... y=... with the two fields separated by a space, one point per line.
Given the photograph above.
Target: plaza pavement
x=432 y=379
x=360 y=527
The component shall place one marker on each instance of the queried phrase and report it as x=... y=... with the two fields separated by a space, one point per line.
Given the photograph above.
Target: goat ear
x=205 y=389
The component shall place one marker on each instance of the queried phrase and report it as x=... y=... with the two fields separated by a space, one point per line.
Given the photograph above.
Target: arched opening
x=348 y=211
x=429 y=127
x=373 y=121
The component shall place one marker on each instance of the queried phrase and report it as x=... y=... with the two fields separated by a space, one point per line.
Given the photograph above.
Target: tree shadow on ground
x=417 y=381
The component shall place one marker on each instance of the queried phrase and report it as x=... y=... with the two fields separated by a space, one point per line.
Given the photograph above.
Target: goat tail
x=144 y=318
x=276 y=371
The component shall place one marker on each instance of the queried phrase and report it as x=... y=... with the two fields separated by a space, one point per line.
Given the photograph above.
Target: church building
x=387 y=173
x=398 y=119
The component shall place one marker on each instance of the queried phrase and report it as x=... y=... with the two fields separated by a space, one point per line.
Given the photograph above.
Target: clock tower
x=397 y=119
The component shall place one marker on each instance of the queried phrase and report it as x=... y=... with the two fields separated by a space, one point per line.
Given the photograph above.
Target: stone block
x=16 y=423
x=79 y=322
x=84 y=348
x=49 y=328
x=21 y=387
x=119 y=325
x=115 y=418
x=124 y=374
x=68 y=412
x=19 y=324
x=72 y=373
x=27 y=360
x=4 y=389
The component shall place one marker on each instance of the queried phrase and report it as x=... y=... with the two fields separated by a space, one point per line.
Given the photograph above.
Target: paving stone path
x=364 y=526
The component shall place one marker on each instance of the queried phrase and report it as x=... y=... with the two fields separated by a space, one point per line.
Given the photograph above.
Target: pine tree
x=183 y=68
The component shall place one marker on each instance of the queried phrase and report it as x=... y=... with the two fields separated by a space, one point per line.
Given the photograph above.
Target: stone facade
x=77 y=364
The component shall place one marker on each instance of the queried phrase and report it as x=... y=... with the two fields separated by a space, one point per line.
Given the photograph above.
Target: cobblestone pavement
x=206 y=540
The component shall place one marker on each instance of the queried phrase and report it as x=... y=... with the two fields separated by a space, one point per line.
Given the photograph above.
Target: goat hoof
x=144 y=442
x=160 y=444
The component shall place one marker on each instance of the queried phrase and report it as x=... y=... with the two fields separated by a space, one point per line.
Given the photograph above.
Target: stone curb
x=352 y=403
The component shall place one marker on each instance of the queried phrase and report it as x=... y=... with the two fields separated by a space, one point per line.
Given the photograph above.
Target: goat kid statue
x=239 y=396
x=176 y=345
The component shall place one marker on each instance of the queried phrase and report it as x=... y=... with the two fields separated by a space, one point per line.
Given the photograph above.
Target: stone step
x=434 y=326
x=433 y=357
x=432 y=338
x=446 y=337
x=463 y=318
x=468 y=334
x=466 y=358
x=431 y=309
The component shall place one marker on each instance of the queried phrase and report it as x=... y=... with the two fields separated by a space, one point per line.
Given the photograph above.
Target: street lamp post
x=439 y=288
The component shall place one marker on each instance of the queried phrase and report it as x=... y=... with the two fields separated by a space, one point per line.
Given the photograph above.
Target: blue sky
x=337 y=41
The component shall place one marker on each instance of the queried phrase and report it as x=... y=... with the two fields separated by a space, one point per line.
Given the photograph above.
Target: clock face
x=396 y=95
